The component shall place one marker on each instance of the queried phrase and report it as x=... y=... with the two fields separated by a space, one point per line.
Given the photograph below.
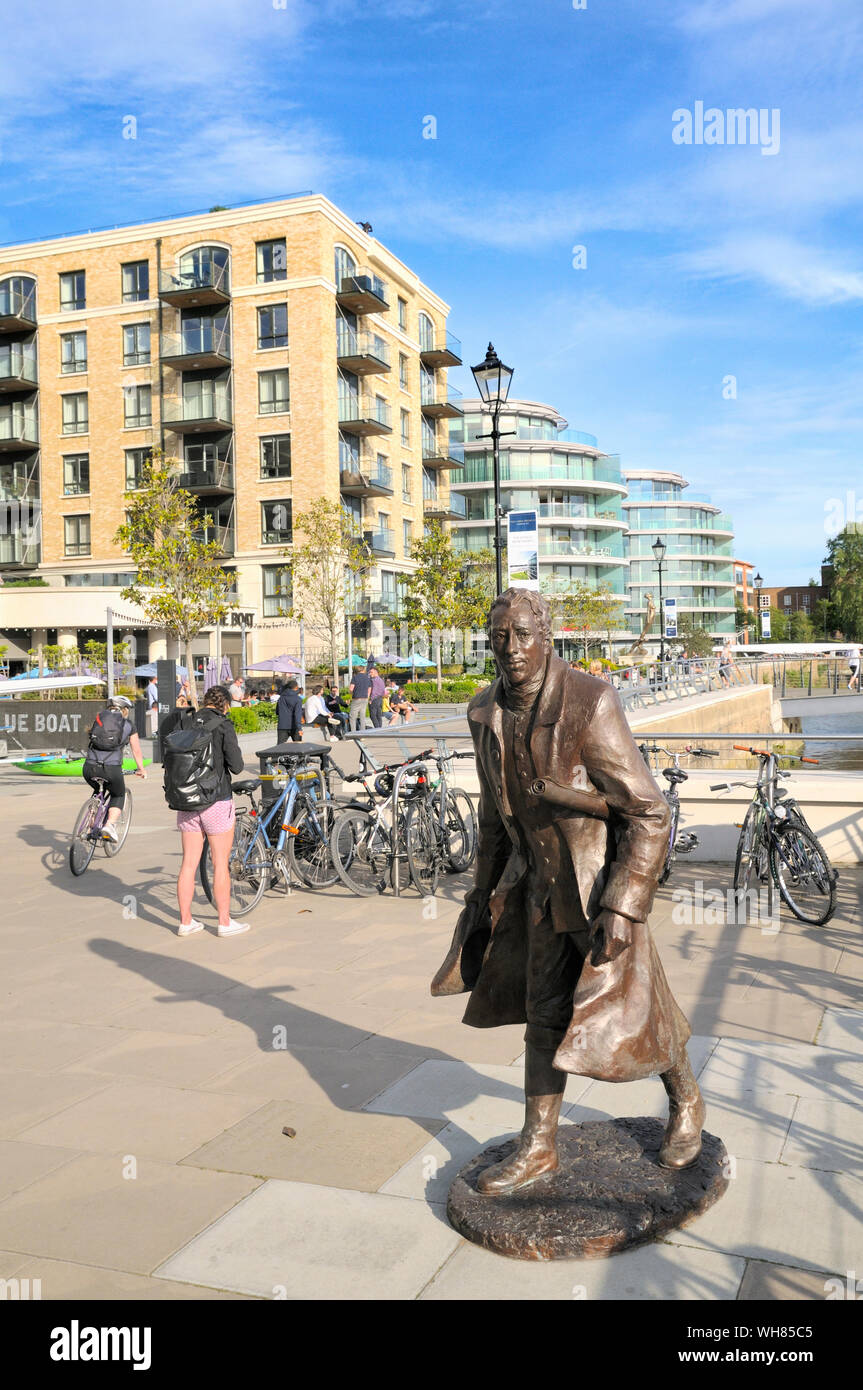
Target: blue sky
x=554 y=130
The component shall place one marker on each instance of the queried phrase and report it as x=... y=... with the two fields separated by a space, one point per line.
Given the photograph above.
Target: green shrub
x=266 y=714
x=452 y=693
x=245 y=721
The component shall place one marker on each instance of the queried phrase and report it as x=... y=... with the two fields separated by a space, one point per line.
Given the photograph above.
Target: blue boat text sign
x=522 y=555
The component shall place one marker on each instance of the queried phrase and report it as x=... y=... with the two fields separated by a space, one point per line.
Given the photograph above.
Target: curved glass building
x=698 y=569
x=576 y=489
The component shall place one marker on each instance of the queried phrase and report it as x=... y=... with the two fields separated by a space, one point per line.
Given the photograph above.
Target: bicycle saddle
x=247 y=784
x=675 y=774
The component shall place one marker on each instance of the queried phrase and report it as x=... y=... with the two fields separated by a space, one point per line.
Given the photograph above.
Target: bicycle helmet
x=120 y=701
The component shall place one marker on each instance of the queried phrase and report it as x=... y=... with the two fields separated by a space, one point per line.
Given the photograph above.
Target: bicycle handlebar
x=765 y=753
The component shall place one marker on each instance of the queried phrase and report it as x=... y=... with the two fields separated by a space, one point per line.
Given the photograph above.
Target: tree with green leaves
x=325 y=567
x=823 y=617
x=845 y=554
x=800 y=627
x=744 y=618
x=696 y=639
x=433 y=598
x=179 y=581
x=583 y=608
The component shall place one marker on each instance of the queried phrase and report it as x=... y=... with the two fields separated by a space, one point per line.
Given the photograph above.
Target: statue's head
x=519 y=625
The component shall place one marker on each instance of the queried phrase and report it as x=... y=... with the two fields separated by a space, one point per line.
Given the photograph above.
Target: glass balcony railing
x=219 y=532
x=440 y=350
x=206 y=341
x=441 y=402
x=361 y=352
x=211 y=408
x=365 y=415
x=380 y=542
x=365 y=476
x=198 y=281
x=18 y=367
x=442 y=453
x=579 y=550
x=452 y=507
x=529 y=468
x=19 y=428
x=17 y=305
x=362 y=293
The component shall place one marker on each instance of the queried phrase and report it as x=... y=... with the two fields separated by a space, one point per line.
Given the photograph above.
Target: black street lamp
x=493 y=381
x=659 y=549
x=757 y=582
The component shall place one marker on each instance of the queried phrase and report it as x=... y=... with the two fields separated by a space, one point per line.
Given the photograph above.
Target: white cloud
x=796 y=270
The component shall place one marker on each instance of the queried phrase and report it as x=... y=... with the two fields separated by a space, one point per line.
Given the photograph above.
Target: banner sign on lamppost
x=765 y=624
x=670 y=617
x=522 y=555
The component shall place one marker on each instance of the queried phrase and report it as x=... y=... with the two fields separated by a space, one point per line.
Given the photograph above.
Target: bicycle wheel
x=309 y=850
x=121 y=826
x=361 y=852
x=459 y=827
x=248 y=866
x=426 y=849
x=82 y=848
x=748 y=847
x=805 y=876
x=672 y=839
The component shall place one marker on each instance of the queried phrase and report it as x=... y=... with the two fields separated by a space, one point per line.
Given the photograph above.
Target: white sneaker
x=189 y=928
x=109 y=833
x=233 y=928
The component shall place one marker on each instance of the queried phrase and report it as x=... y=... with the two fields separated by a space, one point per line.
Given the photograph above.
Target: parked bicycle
x=91 y=821
x=679 y=842
x=290 y=837
x=776 y=840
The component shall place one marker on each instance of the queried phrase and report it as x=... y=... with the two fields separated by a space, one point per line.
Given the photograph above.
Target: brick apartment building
x=278 y=351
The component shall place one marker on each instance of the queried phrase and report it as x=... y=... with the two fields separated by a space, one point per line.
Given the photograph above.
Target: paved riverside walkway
x=145 y=1082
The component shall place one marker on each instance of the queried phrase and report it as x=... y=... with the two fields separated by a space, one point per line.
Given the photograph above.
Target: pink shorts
x=213 y=820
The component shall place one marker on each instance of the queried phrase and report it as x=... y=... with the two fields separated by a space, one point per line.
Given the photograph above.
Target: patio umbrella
x=407 y=663
x=227 y=674
x=149 y=669
x=357 y=661
x=285 y=665
x=210 y=674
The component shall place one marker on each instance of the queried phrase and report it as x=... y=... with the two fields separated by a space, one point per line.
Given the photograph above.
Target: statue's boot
x=681 y=1144
x=537 y=1151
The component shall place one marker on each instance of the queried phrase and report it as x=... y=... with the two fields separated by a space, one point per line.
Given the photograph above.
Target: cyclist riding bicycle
x=109 y=734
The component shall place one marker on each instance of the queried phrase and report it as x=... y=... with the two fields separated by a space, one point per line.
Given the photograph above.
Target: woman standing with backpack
x=110 y=732
x=199 y=752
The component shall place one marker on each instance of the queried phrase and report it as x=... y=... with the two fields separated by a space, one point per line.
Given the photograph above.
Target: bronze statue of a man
x=572 y=837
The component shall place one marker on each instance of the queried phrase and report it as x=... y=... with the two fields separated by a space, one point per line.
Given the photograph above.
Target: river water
x=835 y=757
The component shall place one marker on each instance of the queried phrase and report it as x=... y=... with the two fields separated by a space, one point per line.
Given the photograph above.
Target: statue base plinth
x=609 y=1194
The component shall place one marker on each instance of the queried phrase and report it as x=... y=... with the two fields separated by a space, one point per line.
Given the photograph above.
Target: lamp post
x=757 y=582
x=493 y=381
x=658 y=549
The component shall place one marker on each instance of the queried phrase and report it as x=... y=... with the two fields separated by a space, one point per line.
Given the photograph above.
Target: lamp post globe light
x=659 y=549
x=493 y=379
x=757 y=582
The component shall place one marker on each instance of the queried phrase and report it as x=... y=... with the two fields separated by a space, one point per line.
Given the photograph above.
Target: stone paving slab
x=798 y=1069
x=842 y=1029
x=88 y=1212
x=63 y=1279
x=652 y=1273
x=319 y=1243
x=465 y=1094
x=763 y=1282
x=22 y=1163
x=315 y=1075
x=826 y=1134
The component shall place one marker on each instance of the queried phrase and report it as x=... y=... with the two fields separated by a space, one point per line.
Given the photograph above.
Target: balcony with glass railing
x=533 y=468
x=362 y=293
x=662 y=521
x=19 y=427
x=206 y=345
x=211 y=474
x=441 y=350
x=701 y=548
x=18 y=367
x=595 y=552
x=440 y=402
x=203 y=410
x=17 y=305
x=363 y=475
x=451 y=508
x=442 y=454
x=18 y=551
x=361 y=353
x=364 y=415
x=220 y=532
x=381 y=542
x=19 y=482
x=198 y=281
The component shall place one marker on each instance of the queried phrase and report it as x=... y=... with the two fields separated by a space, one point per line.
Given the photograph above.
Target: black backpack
x=106 y=732
x=193 y=768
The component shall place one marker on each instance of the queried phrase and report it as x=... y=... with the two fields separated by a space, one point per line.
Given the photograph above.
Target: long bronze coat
x=625 y=1021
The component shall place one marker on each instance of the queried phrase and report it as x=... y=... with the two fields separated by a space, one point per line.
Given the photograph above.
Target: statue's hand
x=610 y=935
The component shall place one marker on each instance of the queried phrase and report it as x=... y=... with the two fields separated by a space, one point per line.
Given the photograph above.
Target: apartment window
x=403 y=371
x=383 y=521
x=76 y=474
x=137 y=407
x=274 y=396
x=272 y=259
x=407 y=538
x=786 y=599
x=136 y=344
x=345 y=265
x=407 y=490
x=136 y=460
x=353 y=510
x=75 y=413
x=276 y=456
x=426 y=333
x=73 y=353
x=77 y=535
x=406 y=426
x=273 y=326
x=73 y=291
x=276 y=522
x=403 y=314
x=278 y=595
x=389 y=590
x=135 y=281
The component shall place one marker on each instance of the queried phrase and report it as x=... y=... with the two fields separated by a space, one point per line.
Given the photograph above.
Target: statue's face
x=517 y=644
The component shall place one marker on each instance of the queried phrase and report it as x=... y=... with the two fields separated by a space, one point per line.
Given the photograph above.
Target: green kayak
x=67 y=767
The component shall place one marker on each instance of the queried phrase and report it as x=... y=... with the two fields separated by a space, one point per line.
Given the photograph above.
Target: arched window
x=426 y=331
x=205 y=266
x=345 y=265
x=18 y=297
